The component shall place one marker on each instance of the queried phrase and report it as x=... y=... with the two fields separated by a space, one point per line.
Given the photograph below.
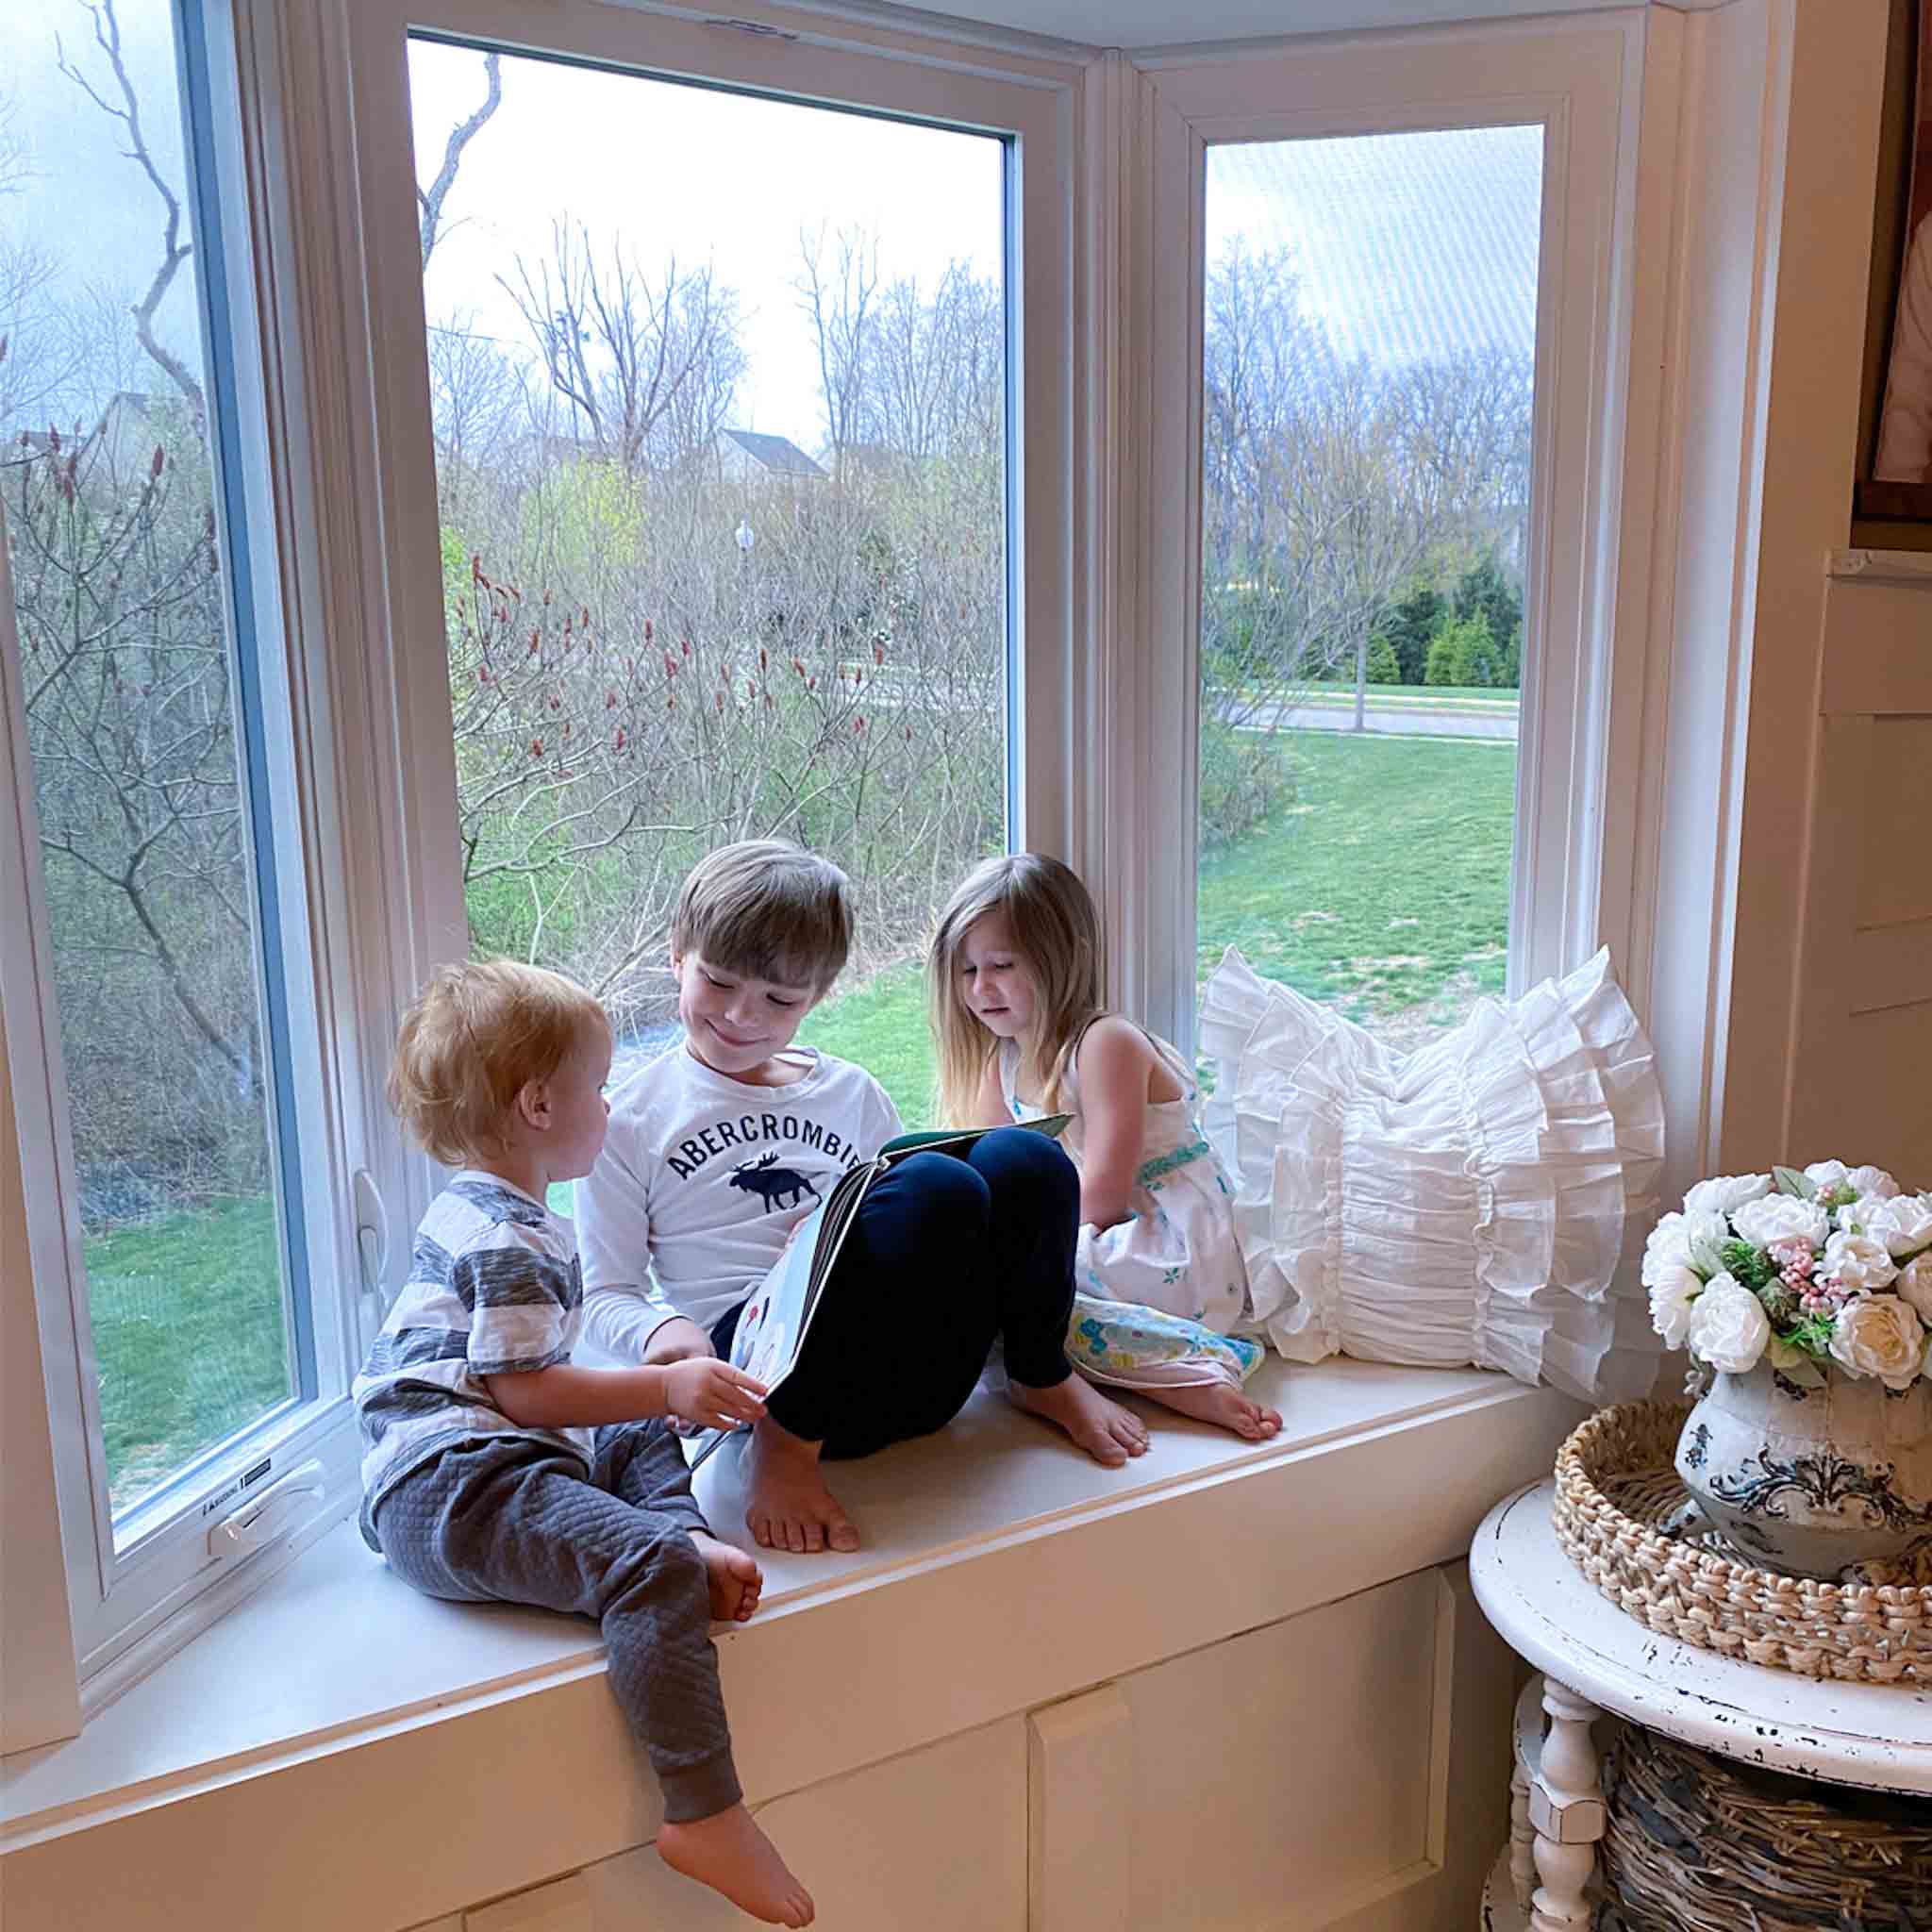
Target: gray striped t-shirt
x=494 y=1288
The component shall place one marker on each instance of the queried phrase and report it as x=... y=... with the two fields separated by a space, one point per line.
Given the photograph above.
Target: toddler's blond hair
x=476 y=1037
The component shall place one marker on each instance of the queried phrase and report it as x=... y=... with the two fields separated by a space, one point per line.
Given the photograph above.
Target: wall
x=1863 y=1063
x=1819 y=153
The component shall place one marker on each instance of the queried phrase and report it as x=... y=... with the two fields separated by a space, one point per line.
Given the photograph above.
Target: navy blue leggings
x=945 y=1255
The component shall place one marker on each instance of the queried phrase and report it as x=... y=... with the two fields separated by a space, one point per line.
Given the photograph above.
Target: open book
x=773 y=1325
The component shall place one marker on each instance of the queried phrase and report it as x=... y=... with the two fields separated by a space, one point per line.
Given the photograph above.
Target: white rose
x=1880 y=1335
x=1672 y=1295
x=1914 y=1283
x=1858 y=1262
x=1678 y=1241
x=1872 y=1180
x=1728 y=1326
x=1668 y=1246
x=1781 y=1218
x=1727 y=1193
x=1904 y=1222
x=1827 y=1173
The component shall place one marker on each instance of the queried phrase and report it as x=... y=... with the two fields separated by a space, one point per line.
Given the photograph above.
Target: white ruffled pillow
x=1470 y=1203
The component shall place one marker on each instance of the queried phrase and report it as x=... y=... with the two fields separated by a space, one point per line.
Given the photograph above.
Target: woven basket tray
x=1615 y=1484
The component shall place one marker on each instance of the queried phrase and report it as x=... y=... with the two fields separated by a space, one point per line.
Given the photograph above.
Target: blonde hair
x=477 y=1034
x=1056 y=931
x=766 y=909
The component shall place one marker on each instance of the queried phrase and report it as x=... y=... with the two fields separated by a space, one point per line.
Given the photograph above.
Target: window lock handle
x=260 y=1520
x=372 y=1241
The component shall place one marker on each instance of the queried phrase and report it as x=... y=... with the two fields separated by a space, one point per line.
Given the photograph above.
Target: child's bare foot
x=1107 y=1432
x=734 y=1577
x=787 y=1505
x=727 y=1852
x=1224 y=1404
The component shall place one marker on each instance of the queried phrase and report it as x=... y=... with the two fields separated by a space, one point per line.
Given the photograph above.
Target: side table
x=1595 y=1658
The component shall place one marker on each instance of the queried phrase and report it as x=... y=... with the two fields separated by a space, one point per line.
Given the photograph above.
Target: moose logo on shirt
x=777 y=1187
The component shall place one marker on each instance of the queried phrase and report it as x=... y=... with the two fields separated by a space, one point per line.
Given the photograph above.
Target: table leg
x=1566 y=1812
x=1522 y=1839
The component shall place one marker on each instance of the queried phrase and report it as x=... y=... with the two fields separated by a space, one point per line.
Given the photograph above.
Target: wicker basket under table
x=1695 y=1842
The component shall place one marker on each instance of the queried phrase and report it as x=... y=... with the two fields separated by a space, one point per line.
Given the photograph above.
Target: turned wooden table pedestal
x=1594 y=1659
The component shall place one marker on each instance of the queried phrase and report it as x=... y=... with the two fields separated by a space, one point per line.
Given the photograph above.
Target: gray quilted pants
x=517 y=1521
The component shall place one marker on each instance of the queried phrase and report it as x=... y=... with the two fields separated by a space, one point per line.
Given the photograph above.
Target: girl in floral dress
x=1014 y=987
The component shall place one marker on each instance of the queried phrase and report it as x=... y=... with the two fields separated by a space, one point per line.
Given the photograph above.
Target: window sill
x=320 y=1725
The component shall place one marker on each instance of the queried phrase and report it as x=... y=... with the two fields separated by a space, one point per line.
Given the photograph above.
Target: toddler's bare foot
x=1225 y=1406
x=727 y=1852
x=787 y=1505
x=734 y=1577
x=1107 y=1432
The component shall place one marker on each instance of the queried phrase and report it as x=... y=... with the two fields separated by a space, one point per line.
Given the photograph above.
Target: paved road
x=1403 y=720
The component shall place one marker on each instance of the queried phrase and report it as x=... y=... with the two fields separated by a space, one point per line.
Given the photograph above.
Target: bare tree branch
x=431 y=199
x=174 y=251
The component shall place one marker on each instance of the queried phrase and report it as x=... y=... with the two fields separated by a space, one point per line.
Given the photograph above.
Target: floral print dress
x=1156 y=1297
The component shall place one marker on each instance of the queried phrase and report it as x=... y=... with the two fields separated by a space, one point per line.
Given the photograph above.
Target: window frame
x=121 y=1598
x=1030 y=103
x=1571 y=889
x=1106 y=713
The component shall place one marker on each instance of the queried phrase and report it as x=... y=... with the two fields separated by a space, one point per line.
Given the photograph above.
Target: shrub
x=1245 y=777
x=1383 y=665
x=1463 y=652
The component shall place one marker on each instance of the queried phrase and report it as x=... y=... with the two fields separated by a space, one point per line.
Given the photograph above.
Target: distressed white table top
x=1872 y=1735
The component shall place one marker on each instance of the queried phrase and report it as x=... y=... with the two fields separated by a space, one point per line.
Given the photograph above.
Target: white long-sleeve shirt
x=701 y=1179
x=1905 y=430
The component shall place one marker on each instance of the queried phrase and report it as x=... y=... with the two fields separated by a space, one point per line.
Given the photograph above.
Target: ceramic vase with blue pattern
x=1812 y=1481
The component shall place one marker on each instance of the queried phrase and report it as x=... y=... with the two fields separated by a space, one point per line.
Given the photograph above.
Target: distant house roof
x=134 y=402
x=778 y=454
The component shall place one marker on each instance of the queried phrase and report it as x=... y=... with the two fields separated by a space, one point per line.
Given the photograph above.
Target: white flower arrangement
x=1831 y=1267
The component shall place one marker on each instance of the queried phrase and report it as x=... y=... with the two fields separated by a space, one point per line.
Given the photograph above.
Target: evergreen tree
x=1484 y=591
x=1408 y=625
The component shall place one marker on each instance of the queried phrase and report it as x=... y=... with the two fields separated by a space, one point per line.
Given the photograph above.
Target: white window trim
x=1583 y=79
x=1031 y=99
x=349 y=464
x=1091 y=709
x=130 y=1607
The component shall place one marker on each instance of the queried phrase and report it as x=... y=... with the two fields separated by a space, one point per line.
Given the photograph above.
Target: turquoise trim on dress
x=1151 y=1170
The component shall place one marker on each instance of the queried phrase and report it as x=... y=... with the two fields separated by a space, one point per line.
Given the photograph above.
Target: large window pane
x=1370 y=340
x=718 y=386
x=142 y=735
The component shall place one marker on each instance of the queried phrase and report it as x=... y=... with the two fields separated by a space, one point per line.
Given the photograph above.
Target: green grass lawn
x=189 y=1337
x=882 y=1027
x=1384 y=888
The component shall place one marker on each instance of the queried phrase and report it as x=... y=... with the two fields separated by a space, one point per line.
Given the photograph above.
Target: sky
x=1408 y=245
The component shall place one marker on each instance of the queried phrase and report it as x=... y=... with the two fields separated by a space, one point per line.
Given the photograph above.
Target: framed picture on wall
x=1900 y=484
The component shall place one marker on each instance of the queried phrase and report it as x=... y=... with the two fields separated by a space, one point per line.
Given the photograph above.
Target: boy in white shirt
x=498 y=1471
x=721 y=1145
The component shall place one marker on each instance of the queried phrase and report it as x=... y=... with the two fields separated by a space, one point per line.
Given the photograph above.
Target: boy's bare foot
x=787 y=1505
x=1225 y=1406
x=1107 y=1432
x=734 y=1577
x=727 y=1852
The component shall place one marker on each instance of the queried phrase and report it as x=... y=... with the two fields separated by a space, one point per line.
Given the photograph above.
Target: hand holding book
x=713 y=1394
